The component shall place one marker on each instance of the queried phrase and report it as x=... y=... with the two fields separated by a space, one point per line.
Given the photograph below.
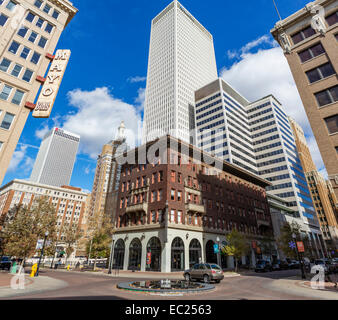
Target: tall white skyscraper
x=181 y=60
x=55 y=161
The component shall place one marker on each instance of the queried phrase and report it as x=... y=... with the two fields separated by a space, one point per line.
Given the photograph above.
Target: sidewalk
x=302 y=288
x=29 y=286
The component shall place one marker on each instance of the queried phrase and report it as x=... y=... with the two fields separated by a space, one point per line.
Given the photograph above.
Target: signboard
x=39 y=245
x=300 y=246
x=216 y=250
x=149 y=258
x=52 y=84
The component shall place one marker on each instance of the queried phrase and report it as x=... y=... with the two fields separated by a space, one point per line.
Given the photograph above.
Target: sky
x=105 y=79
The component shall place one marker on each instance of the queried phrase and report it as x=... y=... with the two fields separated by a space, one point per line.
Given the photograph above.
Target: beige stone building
x=69 y=202
x=29 y=33
x=319 y=190
x=309 y=39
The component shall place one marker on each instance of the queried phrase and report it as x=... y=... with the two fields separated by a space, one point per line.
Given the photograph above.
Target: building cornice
x=67 y=6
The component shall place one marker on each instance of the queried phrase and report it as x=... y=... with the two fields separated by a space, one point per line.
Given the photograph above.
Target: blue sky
x=104 y=82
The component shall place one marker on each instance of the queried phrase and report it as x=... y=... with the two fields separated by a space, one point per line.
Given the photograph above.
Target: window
x=335 y=148
x=22 y=31
x=320 y=72
x=332 y=124
x=3 y=19
x=49 y=28
x=33 y=37
x=7 y=121
x=16 y=70
x=39 y=23
x=332 y=19
x=311 y=52
x=173 y=176
x=18 y=97
x=300 y=36
x=6 y=91
x=1 y=143
x=11 y=5
x=42 y=42
x=14 y=47
x=159 y=195
x=38 y=3
x=25 y=52
x=30 y=17
x=172 y=194
x=179 y=195
x=172 y=216
x=47 y=8
x=35 y=58
x=55 y=14
x=153 y=196
x=179 y=216
x=327 y=96
x=4 y=65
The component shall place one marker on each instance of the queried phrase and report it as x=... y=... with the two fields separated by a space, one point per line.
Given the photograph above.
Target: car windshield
x=260 y=262
x=215 y=266
x=319 y=262
x=5 y=259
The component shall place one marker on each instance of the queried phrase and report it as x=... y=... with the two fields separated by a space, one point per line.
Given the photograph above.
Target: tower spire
x=121 y=132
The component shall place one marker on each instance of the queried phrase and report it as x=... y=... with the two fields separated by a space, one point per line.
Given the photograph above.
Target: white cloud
x=266 y=72
x=98 y=116
x=136 y=79
x=21 y=163
x=40 y=133
x=140 y=99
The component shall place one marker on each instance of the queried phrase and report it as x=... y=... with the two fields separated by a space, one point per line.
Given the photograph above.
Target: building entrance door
x=177 y=255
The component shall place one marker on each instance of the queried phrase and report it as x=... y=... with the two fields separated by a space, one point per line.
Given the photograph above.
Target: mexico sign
x=52 y=84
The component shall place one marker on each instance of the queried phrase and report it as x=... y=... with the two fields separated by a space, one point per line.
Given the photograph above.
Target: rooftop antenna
x=280 y=18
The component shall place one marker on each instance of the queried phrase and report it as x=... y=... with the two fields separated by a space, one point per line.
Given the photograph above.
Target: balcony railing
x=196 y=208
x=137 y=208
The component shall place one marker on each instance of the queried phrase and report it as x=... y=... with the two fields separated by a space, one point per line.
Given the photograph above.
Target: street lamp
x=43 y=247
x=294 y=236
x=111 y=255
x=219 y=252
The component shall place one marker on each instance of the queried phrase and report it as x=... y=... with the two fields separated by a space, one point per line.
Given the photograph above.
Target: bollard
x=68 y=267
x=34 y=269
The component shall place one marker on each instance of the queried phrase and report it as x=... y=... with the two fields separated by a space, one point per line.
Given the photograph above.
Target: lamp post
x=43 y=247
x=294 y=236
x=111 y=256
x=218 y=253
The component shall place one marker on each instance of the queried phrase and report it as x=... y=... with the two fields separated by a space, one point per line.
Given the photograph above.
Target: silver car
x=204 y=271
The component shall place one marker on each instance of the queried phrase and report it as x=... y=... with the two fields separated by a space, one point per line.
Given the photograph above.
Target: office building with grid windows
x=257 y=137
x=29 y=32
x=181 y=60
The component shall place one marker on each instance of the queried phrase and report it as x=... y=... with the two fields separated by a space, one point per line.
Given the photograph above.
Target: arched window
x=195 y=252
x=177 y=255
x=211 y=256
x=119 y=250
x=135 y=253
x=154 y=254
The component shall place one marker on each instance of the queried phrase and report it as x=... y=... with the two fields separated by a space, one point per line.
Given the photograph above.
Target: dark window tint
x=25 y=52
x=332 y=124
x=327 y=96
x=300 y=36
x=30 y=17
x=332 y=19
x=312 y=52
x=38 y=3
x=49 y=28
x=320 y=72
x=47 y=8
x=56 y=14
x=3 y=19
x=39 y=23
x=11 y=5
x=336 y=150
x=32 y=37
x=7 y=121
x=27 y=75
x=22 y=31
x=4 y=65
x=14 y=47
x=336 y=36
x=35 y=58
x=42 y=42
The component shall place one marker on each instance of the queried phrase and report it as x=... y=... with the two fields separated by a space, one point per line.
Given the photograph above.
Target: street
x=249 y=286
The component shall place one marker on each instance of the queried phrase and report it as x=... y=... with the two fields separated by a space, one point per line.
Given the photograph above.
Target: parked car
x=263 y=266
x=204 y=271
x=293 y=264
x=5 y=263
x=280 y=265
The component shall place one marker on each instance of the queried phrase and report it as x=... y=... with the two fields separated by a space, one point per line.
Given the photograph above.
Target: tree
x=237 y=246
x=71 y=237
x=24 y=226
x=98 y=244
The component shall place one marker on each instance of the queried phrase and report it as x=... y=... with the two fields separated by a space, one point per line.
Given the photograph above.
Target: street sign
x=300 y=246
x=39 y=245
x=216 y=249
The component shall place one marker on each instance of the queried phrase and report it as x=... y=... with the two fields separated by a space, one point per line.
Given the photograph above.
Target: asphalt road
x=91 y=287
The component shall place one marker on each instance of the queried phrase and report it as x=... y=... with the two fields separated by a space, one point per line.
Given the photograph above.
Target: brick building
x=171 y=210
x=69 y=202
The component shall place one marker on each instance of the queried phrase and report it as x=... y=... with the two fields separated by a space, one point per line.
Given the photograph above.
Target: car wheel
x=206 y=278
x=187 y=277
x=217 y=281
